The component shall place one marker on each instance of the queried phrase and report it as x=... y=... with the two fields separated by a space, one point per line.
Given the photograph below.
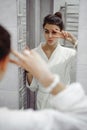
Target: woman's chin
x=50 y=43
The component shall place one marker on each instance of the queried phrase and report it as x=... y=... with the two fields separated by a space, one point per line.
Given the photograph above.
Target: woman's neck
x=48 y=49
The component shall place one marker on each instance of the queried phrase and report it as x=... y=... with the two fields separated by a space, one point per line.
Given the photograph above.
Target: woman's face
x=49 y=34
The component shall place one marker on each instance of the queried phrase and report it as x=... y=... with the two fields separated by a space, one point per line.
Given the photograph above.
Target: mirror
x=25 y=19
x=37 y=10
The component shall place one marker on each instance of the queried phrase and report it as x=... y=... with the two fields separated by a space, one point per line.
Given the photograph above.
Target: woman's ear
x=3 y=66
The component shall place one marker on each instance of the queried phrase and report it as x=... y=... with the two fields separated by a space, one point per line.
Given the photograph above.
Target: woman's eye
x=46 y=31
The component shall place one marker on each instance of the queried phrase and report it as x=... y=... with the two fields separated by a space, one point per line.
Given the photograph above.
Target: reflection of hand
x=69 y=37
x=65 y=35
x=32 y=62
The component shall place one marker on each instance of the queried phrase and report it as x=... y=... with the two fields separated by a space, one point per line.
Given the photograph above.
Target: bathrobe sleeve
x=73 y=98
x=37 y=120
x=70 y=113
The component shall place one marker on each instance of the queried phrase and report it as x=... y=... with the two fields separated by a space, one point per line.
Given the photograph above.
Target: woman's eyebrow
x=56 y=29
x=52 y=30
x=46 y=29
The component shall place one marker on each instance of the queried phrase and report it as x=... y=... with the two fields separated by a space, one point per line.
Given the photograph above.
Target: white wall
x=9 y=85
x=82 y=45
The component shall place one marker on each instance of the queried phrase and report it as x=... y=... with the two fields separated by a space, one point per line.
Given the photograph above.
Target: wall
x=58 y=3
x=82 y=45
x=9 y=85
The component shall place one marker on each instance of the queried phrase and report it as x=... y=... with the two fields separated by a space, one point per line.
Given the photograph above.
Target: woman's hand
x=66 y=35
x=31 y=61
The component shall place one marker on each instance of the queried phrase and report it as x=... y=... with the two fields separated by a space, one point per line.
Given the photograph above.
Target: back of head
x=5 y=43
x=55 y=19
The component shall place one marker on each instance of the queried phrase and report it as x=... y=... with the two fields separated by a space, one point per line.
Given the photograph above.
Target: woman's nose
x=50 y=34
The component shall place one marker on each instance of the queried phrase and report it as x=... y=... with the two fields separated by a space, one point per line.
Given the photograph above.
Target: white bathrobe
x=70 y=113
x=61 y=62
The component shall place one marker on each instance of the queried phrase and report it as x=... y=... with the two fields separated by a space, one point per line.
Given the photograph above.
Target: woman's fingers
x=26 y=52
x=59 y=34
x=26 y=48
x=65 y=34
x=14 y=62
x=62 y=34
x=17 y=54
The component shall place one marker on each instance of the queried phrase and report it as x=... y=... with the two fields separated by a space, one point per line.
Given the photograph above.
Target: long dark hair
x=5 y=43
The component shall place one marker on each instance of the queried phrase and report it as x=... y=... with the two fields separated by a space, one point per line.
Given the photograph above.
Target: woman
x=70 y=118
x=59 y=59
x=68 y=102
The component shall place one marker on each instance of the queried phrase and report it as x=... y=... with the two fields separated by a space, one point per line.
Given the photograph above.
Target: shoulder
x=68 y=51
x=38 y=47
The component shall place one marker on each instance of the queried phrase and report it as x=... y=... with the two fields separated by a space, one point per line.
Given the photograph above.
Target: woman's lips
x=50 y=40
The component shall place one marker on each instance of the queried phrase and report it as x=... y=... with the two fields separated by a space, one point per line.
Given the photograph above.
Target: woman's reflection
x=60 y=59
